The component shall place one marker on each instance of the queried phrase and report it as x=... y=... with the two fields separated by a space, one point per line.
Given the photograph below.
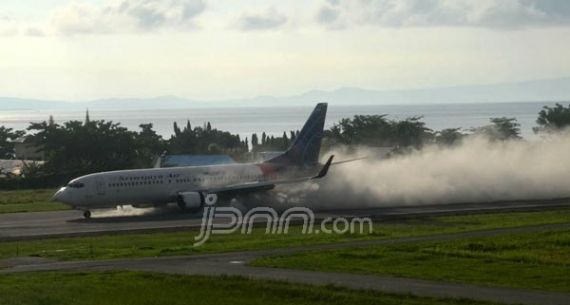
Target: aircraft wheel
x=87 y=214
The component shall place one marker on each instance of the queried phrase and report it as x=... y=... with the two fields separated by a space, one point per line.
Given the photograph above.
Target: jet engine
x=190 y=200
x=195 y=200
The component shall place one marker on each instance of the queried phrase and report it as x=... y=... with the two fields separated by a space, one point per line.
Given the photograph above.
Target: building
x=266 y=155
x=10 y=168
x=26 y=150
x=194 y=160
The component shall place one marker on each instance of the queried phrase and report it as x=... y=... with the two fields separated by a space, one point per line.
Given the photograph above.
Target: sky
x=211 y=49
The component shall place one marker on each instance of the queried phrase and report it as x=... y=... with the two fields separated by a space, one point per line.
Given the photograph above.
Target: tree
x=285 y=140
x=7 y=136
x=508 y=127
x=199 y=140
x=501 y=129
x=176 y=129
x=246 y=144
x=75 y=147
x=32 y=169
x=292 y=136
x=270 y=143
x=552 y=119
x=377 y=130
x=214 y=148
x=410 y=132
x=148 y=145
x=449 y=136
x=374 y=130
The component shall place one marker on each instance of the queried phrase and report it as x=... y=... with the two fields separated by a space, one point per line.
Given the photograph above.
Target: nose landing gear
x=87 y=214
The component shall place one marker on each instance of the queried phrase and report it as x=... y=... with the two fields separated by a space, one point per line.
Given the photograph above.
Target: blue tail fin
x=307 y=146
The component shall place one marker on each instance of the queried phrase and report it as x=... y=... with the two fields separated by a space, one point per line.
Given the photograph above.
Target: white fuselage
x=153 y=186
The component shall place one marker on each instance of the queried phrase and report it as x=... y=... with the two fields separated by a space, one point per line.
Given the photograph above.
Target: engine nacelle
x=190 y=200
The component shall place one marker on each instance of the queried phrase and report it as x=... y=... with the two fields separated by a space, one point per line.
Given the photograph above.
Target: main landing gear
x=87 y=214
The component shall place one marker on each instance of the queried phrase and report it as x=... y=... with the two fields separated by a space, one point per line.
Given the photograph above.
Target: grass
x=532 y=260
x=150 y=288
x=29 y=201
x=181 y=243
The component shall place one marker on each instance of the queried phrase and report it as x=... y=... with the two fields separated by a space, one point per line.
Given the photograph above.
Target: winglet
x=325 y=168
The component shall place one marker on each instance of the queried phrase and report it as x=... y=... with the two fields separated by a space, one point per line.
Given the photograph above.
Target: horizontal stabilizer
x=349 y=160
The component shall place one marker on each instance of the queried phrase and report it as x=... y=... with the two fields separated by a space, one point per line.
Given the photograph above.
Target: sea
x=275 y=120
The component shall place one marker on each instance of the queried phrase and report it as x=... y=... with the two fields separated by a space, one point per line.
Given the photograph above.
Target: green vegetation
x=7 y=135
x=75 y=148
x=272 y=143
x=501 y=129
x=377 y=130
x=28 y=201
x=449 y=136
x=80 y=147
x=180 y=243
x=552 y=119
x=152 y=288
x=531 y=260
x=204 y=140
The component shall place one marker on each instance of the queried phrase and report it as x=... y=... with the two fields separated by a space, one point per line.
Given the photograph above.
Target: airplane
x=192 y=187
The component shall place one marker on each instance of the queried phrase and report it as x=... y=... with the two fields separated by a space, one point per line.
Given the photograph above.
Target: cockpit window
x=76 y=185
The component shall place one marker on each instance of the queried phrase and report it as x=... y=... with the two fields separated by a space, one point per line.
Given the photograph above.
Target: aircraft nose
x=58 y=196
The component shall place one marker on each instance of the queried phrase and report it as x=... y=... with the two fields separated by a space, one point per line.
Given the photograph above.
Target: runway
x=38 y=225
x=236 y=263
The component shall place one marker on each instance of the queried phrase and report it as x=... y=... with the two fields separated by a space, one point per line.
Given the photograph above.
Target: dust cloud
x=124 y=211
x=478 y=170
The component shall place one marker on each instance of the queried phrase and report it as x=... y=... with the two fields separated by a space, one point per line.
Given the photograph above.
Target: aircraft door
x=100 y=186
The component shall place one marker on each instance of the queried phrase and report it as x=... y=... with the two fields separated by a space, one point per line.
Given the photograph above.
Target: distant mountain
x=7 y=103
x=169 y=102
x=536 y=90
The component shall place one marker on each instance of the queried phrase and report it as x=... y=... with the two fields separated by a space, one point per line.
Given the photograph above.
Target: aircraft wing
x=252 y=187
x=349 y=160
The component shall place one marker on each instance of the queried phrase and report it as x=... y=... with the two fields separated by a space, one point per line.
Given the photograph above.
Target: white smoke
x=123 y=211
x=478 y=170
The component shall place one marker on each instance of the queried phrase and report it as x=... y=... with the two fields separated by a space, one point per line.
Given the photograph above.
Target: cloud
x=33 y=31
x=271 y=19
x=8 y=26
x=418 y=13
x=126 y=16
x=327 y=15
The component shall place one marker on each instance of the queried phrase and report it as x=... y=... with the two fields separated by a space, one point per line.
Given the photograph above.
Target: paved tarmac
x=235 y=263
x=39 y=225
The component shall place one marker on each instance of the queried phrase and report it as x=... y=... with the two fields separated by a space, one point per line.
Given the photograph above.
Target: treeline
x=76 y=148
x=204 y=140
x=272 y=143
x=98 y=145
x=80 y=147
x=379 y=131
x=7 y=137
